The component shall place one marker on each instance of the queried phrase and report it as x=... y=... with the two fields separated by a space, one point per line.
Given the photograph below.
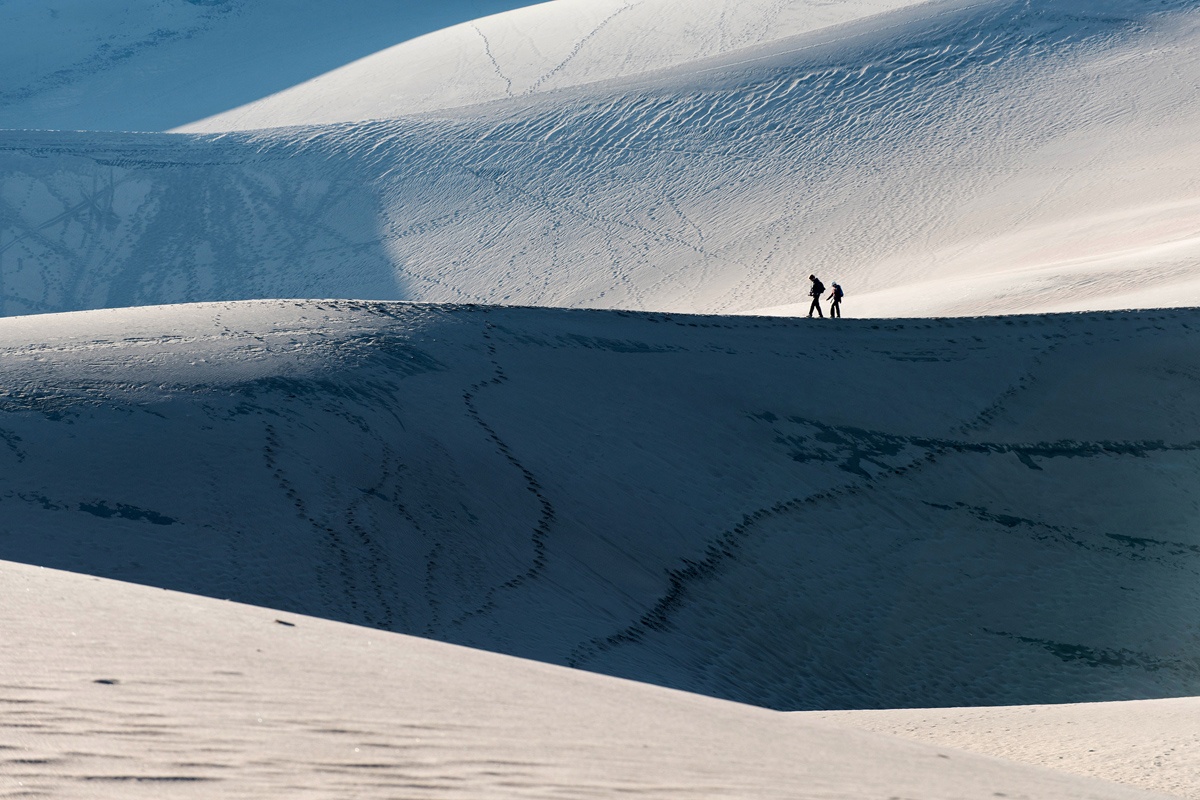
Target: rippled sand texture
x=119 y=691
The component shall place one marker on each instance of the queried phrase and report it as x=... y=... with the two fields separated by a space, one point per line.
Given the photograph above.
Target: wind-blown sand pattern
x=201 y=698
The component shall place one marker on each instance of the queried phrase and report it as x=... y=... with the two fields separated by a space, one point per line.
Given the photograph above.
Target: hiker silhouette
x=836 y=294
x=816 y=291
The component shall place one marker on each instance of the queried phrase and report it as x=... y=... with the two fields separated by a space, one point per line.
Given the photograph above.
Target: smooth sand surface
x=1150 y=743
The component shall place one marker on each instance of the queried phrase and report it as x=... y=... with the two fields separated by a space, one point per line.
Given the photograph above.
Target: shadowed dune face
x=148 y=65
x=133 y=221
x=981 y=159
x=728 y=506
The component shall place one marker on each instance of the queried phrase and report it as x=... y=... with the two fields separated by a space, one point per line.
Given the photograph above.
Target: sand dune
x=730 y=506
x=542 y=415
x=150 y=65
x=544 y=48
x=123 y=692
x=991 y=158
x=1150 y=743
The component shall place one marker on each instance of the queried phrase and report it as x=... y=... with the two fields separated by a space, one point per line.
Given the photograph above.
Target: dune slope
x=997 y=157
x=150 y=65
x=542 y=48
x=1149 y=743
x=119 y=691
x=728 y=506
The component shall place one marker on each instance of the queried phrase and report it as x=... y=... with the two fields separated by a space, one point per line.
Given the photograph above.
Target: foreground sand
x=1150 y=743
x=116 y=690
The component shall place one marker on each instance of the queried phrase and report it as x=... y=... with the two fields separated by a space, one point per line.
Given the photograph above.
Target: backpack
x=818 y=288
x=838 y=294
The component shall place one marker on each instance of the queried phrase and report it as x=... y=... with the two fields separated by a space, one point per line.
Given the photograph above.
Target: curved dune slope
x=118 y=691
x=862 y=515
x=538 y=49
x=150 y=65
x=1000 y=157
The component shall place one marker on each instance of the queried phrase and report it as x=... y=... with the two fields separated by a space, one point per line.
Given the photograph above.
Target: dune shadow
x=98 y=220
x=188 y=61
x=611 y=491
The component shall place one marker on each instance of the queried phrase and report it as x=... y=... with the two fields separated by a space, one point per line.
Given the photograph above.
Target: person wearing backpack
x=816 y=291
x=836 y=294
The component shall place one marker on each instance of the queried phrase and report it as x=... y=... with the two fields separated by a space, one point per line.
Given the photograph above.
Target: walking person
x=835 y=294
x=816 y=291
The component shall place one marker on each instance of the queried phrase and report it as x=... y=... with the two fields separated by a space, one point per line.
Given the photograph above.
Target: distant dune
x=150 y=65
x=990 y=158
x=550 y=48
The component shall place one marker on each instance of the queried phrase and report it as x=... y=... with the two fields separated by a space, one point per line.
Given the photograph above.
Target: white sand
x=117 y=691
x=1150 y=743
